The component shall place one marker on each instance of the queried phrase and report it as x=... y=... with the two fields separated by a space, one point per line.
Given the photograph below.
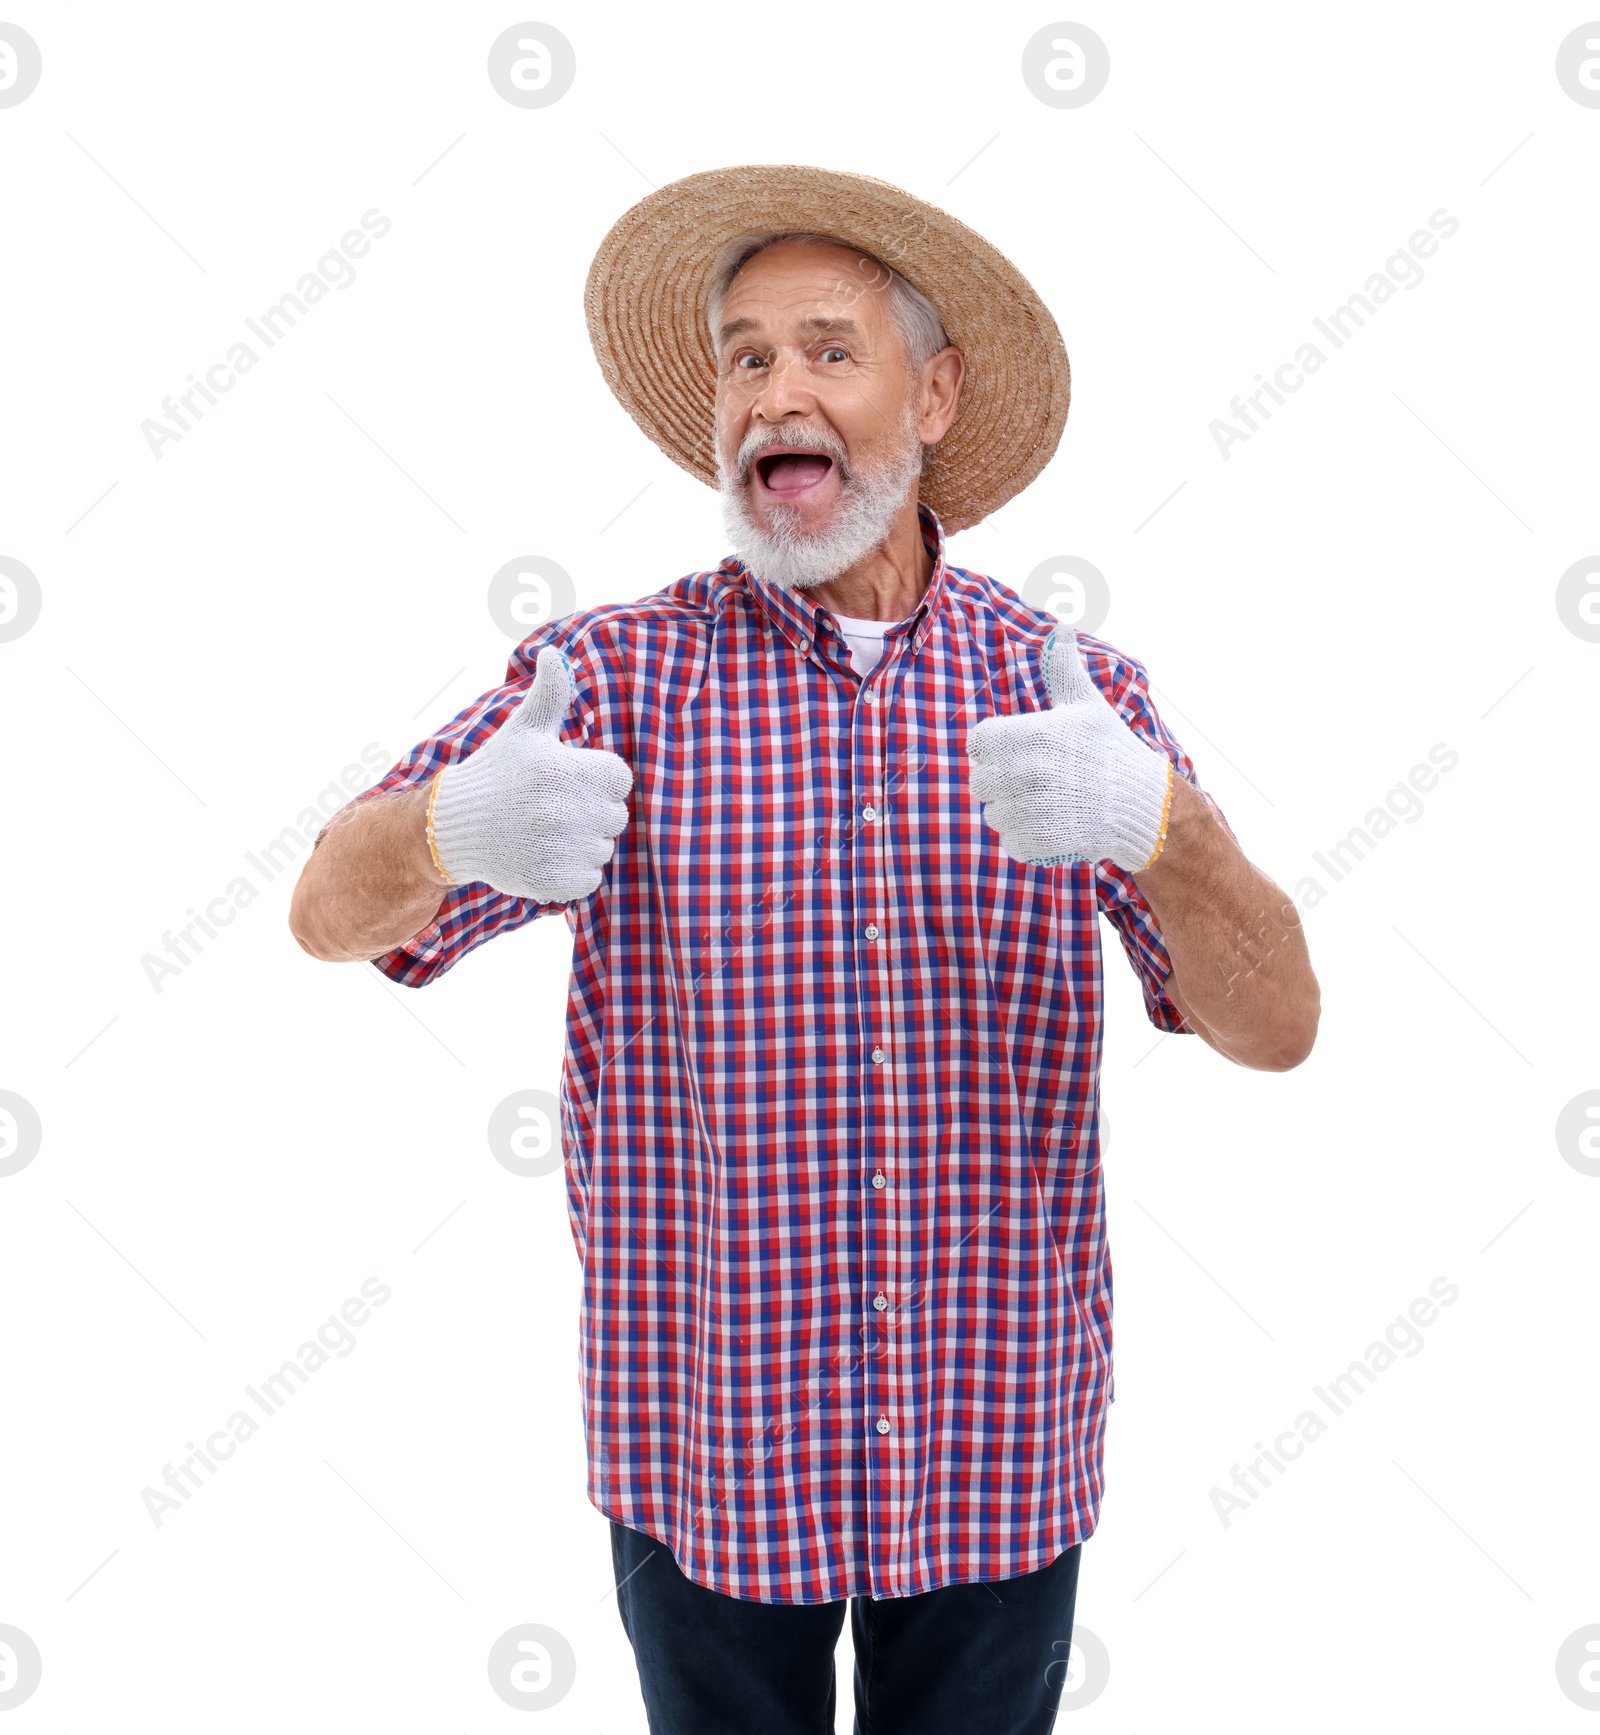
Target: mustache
x=758 y=440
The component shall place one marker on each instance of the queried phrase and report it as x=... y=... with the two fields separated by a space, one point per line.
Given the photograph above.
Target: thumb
x=547 y=701
x=1066 y=679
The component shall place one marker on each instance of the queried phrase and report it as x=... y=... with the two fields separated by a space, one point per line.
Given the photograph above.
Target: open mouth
x=792 y=474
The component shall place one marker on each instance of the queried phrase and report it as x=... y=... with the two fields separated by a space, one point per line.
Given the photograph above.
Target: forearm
x=370 y=883
x=1241 y=973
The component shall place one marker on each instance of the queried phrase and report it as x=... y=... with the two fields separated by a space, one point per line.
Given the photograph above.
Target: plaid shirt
x=830 y=1094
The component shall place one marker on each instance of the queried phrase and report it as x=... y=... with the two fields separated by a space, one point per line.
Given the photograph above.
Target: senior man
x=833 y=825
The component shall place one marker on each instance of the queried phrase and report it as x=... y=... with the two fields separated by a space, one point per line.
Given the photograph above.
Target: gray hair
x=921 y=330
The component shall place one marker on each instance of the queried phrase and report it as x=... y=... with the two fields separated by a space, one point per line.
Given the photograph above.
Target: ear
x=942 y=375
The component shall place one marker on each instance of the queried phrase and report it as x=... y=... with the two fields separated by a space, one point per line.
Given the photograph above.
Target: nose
x=785 y=390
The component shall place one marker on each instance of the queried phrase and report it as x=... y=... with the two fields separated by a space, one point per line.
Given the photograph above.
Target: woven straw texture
x=646 y=295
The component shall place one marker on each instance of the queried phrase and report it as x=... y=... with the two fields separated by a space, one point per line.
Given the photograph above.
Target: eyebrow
x=818 y=324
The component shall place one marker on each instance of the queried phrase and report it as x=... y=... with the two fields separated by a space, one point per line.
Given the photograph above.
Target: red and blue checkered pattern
x=829 y=1101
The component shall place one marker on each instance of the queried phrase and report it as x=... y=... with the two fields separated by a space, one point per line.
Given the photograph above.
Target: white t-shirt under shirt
x=865 y=639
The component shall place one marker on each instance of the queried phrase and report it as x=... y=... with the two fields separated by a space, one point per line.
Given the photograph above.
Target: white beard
x=869 y=502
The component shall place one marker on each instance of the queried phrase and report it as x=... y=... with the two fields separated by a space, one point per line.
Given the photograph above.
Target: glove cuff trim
x=433 y=846
x=1161 y=832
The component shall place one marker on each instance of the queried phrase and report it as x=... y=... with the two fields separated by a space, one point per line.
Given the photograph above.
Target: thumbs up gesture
x=1073 y=783
x=527 y=813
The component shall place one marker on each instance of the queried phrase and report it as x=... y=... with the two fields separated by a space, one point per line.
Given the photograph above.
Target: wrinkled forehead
x=798 y=290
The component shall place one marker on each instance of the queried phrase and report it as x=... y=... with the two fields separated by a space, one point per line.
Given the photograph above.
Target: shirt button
x=883 y=1424
x=869 y=812
x=880 y=1302
x=869 y=697
x=878 y=1179
x=877 y=1057
x=872 y=930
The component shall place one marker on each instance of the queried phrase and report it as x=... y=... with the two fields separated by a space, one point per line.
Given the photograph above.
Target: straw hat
x=645 y=302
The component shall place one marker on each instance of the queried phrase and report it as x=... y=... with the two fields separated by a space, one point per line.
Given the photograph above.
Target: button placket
x=884 y=1394
x=877 y=1225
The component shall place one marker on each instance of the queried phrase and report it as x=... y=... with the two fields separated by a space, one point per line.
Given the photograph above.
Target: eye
x=748 y=360
x=835 y=350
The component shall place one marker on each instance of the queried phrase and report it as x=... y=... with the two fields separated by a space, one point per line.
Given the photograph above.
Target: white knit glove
x=1073 y=783
x=527 y=813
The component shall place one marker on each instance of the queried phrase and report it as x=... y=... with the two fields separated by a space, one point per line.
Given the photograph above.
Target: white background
x=304 y=574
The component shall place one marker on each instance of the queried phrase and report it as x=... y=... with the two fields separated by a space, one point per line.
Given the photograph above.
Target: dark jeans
x=961 y=1660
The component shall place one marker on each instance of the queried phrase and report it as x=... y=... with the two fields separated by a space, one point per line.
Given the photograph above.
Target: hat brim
x=646 y=304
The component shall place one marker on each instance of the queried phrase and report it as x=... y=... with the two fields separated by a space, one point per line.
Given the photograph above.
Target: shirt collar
x=794 y=612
